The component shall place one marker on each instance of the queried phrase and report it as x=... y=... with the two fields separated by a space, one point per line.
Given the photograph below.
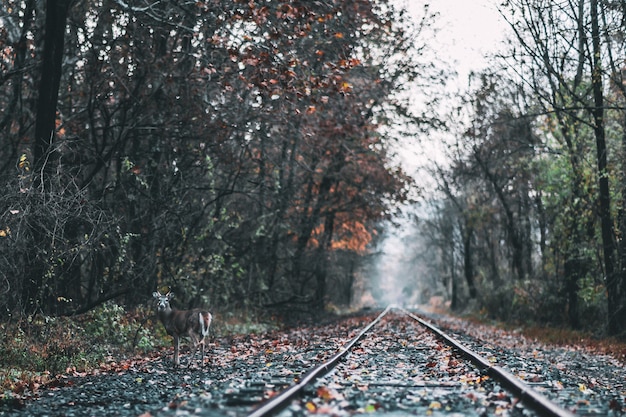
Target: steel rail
x=532 y=398
x=526 y=394
x=280 y=401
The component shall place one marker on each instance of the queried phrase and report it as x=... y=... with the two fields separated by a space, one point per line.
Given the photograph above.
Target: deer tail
x=205 y=322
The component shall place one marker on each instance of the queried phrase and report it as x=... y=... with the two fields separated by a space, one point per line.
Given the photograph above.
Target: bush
x=36 y=349
x=111 y=325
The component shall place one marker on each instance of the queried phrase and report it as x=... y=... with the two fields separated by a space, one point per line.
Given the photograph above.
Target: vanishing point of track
x=517 y=388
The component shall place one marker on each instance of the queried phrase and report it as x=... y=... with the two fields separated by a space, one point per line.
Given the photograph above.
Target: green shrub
x=40 y=347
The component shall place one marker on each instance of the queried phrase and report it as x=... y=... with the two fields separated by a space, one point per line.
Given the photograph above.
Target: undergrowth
x=593 y=342
x=35 y=350
x=587 y=340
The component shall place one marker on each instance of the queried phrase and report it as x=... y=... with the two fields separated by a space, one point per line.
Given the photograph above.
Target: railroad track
x=401 y=362
x=393 y=363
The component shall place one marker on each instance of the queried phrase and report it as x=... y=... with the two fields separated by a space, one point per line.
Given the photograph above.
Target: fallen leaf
x=435 y=405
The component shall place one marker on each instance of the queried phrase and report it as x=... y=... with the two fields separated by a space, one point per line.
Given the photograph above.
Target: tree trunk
x=619 y=279
x=56 y=17
x=468 y=265
x=572 y=270
x=616 y=312
x=54 y=39
x=321 y=269
x=620 y=275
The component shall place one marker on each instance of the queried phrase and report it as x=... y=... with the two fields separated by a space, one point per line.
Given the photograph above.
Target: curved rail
x=533 y=399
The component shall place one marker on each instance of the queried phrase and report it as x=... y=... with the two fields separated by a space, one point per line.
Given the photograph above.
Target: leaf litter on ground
x=245 y=369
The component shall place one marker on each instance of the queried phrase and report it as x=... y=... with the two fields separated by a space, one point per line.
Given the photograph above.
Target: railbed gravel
x=393 y=372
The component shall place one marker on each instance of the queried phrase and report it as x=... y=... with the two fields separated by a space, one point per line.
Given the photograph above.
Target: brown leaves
x=287 y=11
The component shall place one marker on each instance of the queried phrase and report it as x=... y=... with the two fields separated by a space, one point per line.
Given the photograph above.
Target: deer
x=188 y=323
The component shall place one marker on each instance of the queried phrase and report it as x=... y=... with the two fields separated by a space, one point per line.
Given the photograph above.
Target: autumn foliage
x=221 y=147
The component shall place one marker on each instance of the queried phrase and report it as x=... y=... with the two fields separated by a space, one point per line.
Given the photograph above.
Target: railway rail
x=388 y=363
x=428 y=349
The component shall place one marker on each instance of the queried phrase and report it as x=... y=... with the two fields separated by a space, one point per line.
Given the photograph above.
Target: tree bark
x=54 y=39
x=616 y=324
x=33 y=289
x=468 y=264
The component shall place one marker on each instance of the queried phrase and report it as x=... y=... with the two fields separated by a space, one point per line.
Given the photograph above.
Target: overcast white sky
x=469 y=29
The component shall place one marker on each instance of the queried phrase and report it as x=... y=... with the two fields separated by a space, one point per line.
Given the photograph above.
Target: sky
x=469 y=29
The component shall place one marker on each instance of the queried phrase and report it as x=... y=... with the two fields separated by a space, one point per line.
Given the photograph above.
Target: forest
x=245 y=154
x=530 y=219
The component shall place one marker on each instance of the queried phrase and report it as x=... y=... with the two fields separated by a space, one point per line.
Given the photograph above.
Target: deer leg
x=194 y=346
x=202 y=356
x=176 y=350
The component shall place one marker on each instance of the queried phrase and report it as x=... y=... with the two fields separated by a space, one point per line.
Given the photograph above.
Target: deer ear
x=170 y=295
x=156 y=294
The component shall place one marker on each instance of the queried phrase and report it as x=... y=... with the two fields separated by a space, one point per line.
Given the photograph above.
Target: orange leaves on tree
x=260 y=14
x=349 y=63
x=58 y=124
x=349 y=235
x=352 y=236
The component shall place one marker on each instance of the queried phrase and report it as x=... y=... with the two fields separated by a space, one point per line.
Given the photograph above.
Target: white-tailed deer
x=190 y=323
